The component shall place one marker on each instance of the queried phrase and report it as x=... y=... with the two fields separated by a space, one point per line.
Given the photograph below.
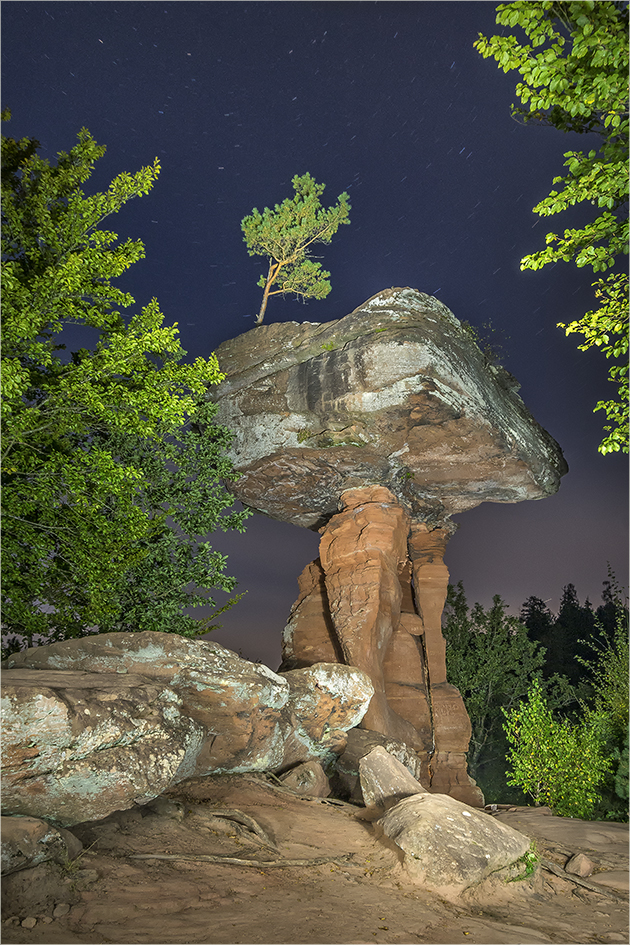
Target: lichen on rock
x=397 y=394
x=375 y=430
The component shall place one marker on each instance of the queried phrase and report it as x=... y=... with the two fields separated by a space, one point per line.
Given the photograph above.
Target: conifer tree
x=286 y=236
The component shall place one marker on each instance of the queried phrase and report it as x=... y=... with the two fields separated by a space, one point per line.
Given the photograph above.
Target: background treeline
x=547 y=696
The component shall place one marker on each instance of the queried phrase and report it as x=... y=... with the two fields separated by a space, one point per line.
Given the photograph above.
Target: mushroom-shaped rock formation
x=374 y=430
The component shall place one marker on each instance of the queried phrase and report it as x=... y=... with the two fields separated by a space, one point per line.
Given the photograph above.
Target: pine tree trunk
x=263 y=305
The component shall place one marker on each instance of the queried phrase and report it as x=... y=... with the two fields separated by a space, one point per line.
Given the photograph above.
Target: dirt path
x=364 y=896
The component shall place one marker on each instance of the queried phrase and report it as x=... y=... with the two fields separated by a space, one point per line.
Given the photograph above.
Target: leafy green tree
x=87 y=438
x=607 y=668
x=556 y=762
x=286 y=236
x=613 y=607
x=607 y=329
x=578 y=765
x=491 y=660
x=574 y=72
x=179 y=570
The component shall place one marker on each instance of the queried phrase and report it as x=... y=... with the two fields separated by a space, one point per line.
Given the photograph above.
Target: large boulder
x=104 y=722
x=385 y=780
x=360 y=742
x=396 y=394
x=325 y=701
x=450 y=847
x=447 y=846
x=78 y=745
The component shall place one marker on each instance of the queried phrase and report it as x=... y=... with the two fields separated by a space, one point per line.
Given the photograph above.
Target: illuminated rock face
x=395 y=394
x=101 y=723
x=357 y=605
x=374 y=430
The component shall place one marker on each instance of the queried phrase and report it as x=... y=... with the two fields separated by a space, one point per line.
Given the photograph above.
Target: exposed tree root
x=593 y=887
x=237 y=861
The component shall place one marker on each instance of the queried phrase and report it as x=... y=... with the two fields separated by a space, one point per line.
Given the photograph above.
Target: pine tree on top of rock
x=286 y=235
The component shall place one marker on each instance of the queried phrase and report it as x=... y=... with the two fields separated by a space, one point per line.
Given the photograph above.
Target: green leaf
x=108 y=487
x=575 y=84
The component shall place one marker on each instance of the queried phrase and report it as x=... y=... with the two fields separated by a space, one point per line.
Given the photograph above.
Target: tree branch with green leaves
x=286 y=236
x=109 y=488
x=574 y=71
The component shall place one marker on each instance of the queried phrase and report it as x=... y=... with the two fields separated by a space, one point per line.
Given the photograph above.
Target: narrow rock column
x=430 y=585
x=362 y=550
x=451 y=725
x=404 y=671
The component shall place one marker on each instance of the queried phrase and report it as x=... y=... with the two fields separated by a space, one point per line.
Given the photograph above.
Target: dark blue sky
x=390 y=102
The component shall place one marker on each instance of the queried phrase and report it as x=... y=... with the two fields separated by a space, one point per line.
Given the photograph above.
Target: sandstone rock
x=451 y=725
x=78 y=745
x=450 y=847
x=362 y=549
x=357 y=594
x=308 y=778
x=237 y=702
x=405 y=679
x=579 y=865
x=449 y=775
x=360 y=742
x=385 y=780
x=374 y=430
x=309 y=636
x=101 y=723
x=325 y=700
x=430 y=586
x=397 y=394
x=28 y=841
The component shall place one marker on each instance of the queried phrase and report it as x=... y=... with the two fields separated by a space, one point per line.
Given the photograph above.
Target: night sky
x=391 y=103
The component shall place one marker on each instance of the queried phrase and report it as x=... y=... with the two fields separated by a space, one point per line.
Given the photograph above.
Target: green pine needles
x=286 y=235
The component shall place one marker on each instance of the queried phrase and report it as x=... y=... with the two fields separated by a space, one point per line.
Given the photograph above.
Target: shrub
x=556 y=762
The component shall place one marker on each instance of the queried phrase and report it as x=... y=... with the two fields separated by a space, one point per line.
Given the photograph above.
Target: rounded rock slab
x=396 y=394
x=448 y=845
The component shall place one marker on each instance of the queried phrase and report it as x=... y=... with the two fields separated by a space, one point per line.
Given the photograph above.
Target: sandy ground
x=362 y=895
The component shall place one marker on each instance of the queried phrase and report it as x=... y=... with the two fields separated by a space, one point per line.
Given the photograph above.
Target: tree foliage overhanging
x=286 y=236
x=109 y=489
x=574 y=71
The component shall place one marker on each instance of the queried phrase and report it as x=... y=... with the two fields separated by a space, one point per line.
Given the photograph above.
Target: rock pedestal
x=361 y=551
x=352 y=601
x=374 y=430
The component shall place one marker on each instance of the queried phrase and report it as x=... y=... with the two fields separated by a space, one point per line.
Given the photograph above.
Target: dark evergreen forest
x=579 y=657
